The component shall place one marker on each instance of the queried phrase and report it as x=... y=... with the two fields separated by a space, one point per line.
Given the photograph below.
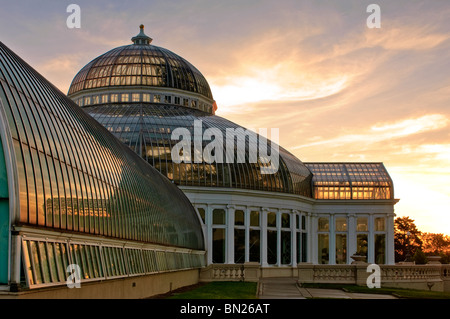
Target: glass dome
x=140 y=64
x=134 y=92
x=147 y=128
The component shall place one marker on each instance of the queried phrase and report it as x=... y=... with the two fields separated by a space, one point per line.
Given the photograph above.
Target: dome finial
x=141 y=38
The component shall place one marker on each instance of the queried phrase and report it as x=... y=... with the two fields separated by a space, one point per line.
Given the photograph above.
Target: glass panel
x=239 y=246
x=341 y=248
x=44 y=262
x=341 y=223
x=304 y=246
x=239 y=217
x=285 y=220
x=219 y=217
x=271 y=219
x=323 y=224
x=95 y=262
x=201 y=211
x=218 y=254
x=52 y=262
x=254 y=218
x=254 y=245
x=286 y=247
x=87 y=252
x=323 y=248
x=380 y=224
x=361 y=244
x=272 y=247
x=303 y=222
x=380 y=248
x=362 y=224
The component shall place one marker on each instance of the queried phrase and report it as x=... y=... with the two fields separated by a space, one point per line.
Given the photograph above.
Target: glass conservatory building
x=320 y=213
x=73 y=194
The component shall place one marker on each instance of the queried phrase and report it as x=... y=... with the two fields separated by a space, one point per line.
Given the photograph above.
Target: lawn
x=398 y=292
x=219 y=290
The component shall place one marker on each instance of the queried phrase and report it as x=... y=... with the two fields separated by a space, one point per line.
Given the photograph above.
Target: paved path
x=287 y=288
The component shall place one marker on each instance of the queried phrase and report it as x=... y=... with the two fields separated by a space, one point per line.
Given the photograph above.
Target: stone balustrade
x=426 y=277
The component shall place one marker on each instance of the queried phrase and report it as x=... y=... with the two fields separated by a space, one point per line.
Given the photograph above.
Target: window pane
x=341 y=224
x=239 y=246
x=380 y=248
x=323 y=246
x=362 y=224
x=323 y=224
x=254 y=245
x=380 y=224
x=341 y=248
x=239 y=217
x=304 y=246
x=271 y=219
x=286 y=247
x=52 y=262
x=44 y=262
x=303 y=222
x=36 y=261
x=361 y=244
x=218 y=217
x=285 y=220
x=218 y=255
x=201 y=211
x=272 y=247
x=254 y=219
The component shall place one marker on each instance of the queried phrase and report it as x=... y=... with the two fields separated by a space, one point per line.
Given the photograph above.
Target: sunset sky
x=336 y=89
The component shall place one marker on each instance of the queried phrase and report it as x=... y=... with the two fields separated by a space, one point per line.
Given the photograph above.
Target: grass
x=219 y=290
x=398 y=292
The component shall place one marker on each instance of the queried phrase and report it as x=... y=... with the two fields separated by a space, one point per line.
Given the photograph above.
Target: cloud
x=382 y=132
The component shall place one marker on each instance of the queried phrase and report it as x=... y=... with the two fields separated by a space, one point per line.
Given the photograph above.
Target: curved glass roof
x=147 y=129
x=71 y=174
x=351 y=181
x=140 y=64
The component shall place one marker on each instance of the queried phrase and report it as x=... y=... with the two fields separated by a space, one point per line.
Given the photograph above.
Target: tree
x=419 y=257
x=436 y=243
x=407 y=238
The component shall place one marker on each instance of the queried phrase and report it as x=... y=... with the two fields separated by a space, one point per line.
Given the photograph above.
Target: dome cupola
x=141 y=72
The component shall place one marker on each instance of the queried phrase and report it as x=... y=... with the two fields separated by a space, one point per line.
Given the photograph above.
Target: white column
x=263 y=230
x=294 y=247
x=313 y=239
x=247 y=234
x=309 y=231
x=370 y=241
x=390 y=252
x=351 y=248
x=229 y=258
x=332 y=243
x=278 y=219
x=208 y=233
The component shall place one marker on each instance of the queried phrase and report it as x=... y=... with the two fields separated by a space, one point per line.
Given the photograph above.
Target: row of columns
x=311 y=229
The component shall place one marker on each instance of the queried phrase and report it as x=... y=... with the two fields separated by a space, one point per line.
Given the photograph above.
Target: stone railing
x=334 y=273
x=222 y=272
x=409 y=273
x=426 y=277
